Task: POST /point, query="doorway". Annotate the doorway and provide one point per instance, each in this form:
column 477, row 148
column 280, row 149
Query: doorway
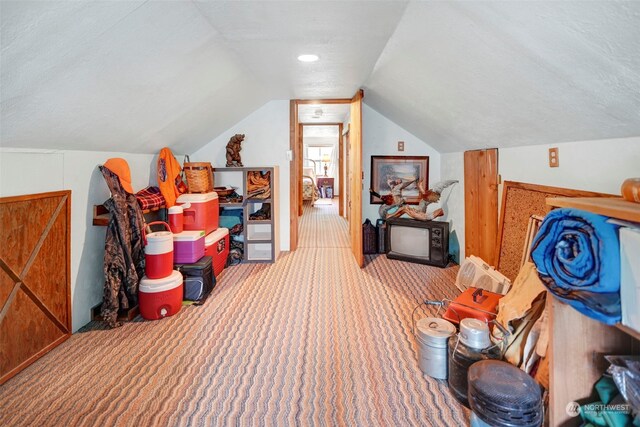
column 330, row 112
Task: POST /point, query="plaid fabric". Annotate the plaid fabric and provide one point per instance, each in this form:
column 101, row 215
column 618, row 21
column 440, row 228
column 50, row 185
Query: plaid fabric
column 150, row 198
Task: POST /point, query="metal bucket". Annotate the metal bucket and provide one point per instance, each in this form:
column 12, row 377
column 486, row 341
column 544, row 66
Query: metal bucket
column 432, row 335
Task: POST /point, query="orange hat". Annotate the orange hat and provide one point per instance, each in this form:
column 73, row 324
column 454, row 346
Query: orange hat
column 121, row 168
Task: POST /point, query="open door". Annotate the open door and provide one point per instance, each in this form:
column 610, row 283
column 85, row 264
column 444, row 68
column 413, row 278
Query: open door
column 355, row 178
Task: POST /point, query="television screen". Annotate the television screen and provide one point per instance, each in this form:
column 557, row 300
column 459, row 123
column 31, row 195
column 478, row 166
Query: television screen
column 424, row 242
column 410, row 241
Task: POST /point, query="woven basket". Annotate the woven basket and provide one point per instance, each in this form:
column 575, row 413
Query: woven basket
column 199, row 177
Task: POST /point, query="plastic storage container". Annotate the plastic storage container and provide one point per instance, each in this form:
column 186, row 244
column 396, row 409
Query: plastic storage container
column 199, row 280
column 158, row 253
column 202, row 211
column 473, row 303
column 160, row 298
column 216, row 245
column 176, row 219
column 188, row 246
column 432, row 335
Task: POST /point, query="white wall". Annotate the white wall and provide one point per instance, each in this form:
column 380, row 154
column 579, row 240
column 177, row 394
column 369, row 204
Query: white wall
column 380, row 137
column 36, row 171
column 266, row 143
column 600, row 165
column 452, row 167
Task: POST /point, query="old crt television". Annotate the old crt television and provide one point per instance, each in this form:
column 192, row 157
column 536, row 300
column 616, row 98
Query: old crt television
column 424, row 242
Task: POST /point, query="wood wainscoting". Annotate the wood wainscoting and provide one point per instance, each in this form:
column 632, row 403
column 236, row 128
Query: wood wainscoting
column 35, row 291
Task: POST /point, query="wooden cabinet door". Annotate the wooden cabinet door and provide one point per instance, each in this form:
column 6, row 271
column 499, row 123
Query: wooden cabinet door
column 35, row 294
column 481, row 203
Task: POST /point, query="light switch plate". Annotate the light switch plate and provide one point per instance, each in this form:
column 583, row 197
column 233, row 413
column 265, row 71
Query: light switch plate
column 554, row 160
column 400, row 145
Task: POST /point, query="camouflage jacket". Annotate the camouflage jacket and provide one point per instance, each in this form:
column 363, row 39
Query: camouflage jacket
column 124, row 251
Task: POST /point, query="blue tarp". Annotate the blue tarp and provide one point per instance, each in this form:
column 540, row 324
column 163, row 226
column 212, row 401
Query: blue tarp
column 577, row 255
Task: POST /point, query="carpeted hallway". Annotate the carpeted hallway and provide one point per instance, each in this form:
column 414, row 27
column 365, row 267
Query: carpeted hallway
column 309, row 340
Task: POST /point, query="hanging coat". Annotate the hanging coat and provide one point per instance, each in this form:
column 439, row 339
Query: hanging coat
column 124, row 251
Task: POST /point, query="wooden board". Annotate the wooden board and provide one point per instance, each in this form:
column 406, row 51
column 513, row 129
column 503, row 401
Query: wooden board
column 578, row 347
column 295, row 180
column 481, row 203
column 35, row 291
column 615, row 207
column 519, row 202
column 355, row 177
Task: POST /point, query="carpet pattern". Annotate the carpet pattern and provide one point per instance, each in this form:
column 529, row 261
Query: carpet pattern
column 309, row 340
column 322, row 227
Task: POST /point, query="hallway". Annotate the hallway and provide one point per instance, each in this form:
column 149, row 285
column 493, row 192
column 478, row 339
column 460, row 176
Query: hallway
column 309, row 340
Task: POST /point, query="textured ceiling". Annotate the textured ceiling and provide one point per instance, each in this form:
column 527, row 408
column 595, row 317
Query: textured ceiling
column 323, row 113
column 135, row 76
column 464, row 75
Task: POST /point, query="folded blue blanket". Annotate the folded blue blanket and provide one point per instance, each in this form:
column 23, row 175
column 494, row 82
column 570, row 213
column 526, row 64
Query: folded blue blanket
column 577, row 255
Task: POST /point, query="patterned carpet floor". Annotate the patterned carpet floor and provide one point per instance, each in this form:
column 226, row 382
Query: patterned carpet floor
column 309, row 340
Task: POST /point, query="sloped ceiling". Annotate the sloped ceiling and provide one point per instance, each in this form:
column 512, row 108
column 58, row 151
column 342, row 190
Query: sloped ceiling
column 135, row 76
column 465, row 75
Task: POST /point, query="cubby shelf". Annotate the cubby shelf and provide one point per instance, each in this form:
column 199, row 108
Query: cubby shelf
column 578, row 344
column 260, row 236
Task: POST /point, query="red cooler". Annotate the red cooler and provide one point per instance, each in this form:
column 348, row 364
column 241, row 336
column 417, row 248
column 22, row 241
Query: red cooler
column 216, row 245
column 188, row 246
column 160, row 298
column 202, row 214
column 158, row 253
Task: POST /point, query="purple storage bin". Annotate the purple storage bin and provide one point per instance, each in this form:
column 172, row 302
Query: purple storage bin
column 188, row 246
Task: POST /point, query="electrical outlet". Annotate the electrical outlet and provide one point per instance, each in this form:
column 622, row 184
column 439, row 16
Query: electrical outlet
column 400, row 145
column 554, row 160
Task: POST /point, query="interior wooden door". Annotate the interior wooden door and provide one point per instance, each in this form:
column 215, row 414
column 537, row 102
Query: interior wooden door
column 295, row 179
column 340, row 171
column 35, row 294
column 481, row 203
column 347, row 185
column 355, row 178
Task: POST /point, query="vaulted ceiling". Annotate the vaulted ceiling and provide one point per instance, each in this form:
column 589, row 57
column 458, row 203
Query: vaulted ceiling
column 135, row 76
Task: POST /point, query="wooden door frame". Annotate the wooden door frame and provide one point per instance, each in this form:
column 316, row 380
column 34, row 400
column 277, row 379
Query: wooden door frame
column 295, row 165
column 340, row 161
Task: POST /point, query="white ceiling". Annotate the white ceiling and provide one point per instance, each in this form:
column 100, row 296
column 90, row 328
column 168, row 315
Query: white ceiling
column 135, row 76
column 323, row 113
column 320, row 132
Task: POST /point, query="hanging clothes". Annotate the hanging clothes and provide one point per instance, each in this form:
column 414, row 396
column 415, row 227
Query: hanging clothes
column 169, row 170
column 124, row 250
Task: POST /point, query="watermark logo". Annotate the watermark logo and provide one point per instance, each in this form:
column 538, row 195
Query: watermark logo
column 573, row 409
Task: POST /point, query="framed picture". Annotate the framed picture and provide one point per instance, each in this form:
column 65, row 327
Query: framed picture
column 387, row 171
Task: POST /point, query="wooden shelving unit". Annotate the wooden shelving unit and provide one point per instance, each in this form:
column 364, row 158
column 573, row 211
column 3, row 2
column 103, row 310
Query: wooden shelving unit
column 578, row 343
column 260, row 236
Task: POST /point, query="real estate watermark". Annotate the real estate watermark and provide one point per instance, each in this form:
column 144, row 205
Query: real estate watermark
column 573, row 408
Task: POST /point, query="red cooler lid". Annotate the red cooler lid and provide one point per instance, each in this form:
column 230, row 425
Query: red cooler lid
column 216, row 235
column 172, row 281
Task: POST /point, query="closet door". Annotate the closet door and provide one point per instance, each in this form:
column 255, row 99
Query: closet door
column 35, row 294
column 481, row 203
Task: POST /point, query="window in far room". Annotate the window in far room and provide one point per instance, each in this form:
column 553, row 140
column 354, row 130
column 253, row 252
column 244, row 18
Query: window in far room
column 322, row 157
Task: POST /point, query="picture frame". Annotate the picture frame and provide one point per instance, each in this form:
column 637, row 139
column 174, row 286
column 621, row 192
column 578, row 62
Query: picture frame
column 407, row 168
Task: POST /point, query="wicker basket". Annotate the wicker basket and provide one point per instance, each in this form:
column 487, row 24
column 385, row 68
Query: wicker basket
column 199, row 177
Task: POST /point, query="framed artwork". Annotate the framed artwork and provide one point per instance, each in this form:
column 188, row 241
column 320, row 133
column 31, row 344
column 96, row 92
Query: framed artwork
column 387, row 171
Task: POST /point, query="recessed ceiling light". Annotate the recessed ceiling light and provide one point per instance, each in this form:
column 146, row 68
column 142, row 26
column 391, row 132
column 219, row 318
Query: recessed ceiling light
column 308, row 58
